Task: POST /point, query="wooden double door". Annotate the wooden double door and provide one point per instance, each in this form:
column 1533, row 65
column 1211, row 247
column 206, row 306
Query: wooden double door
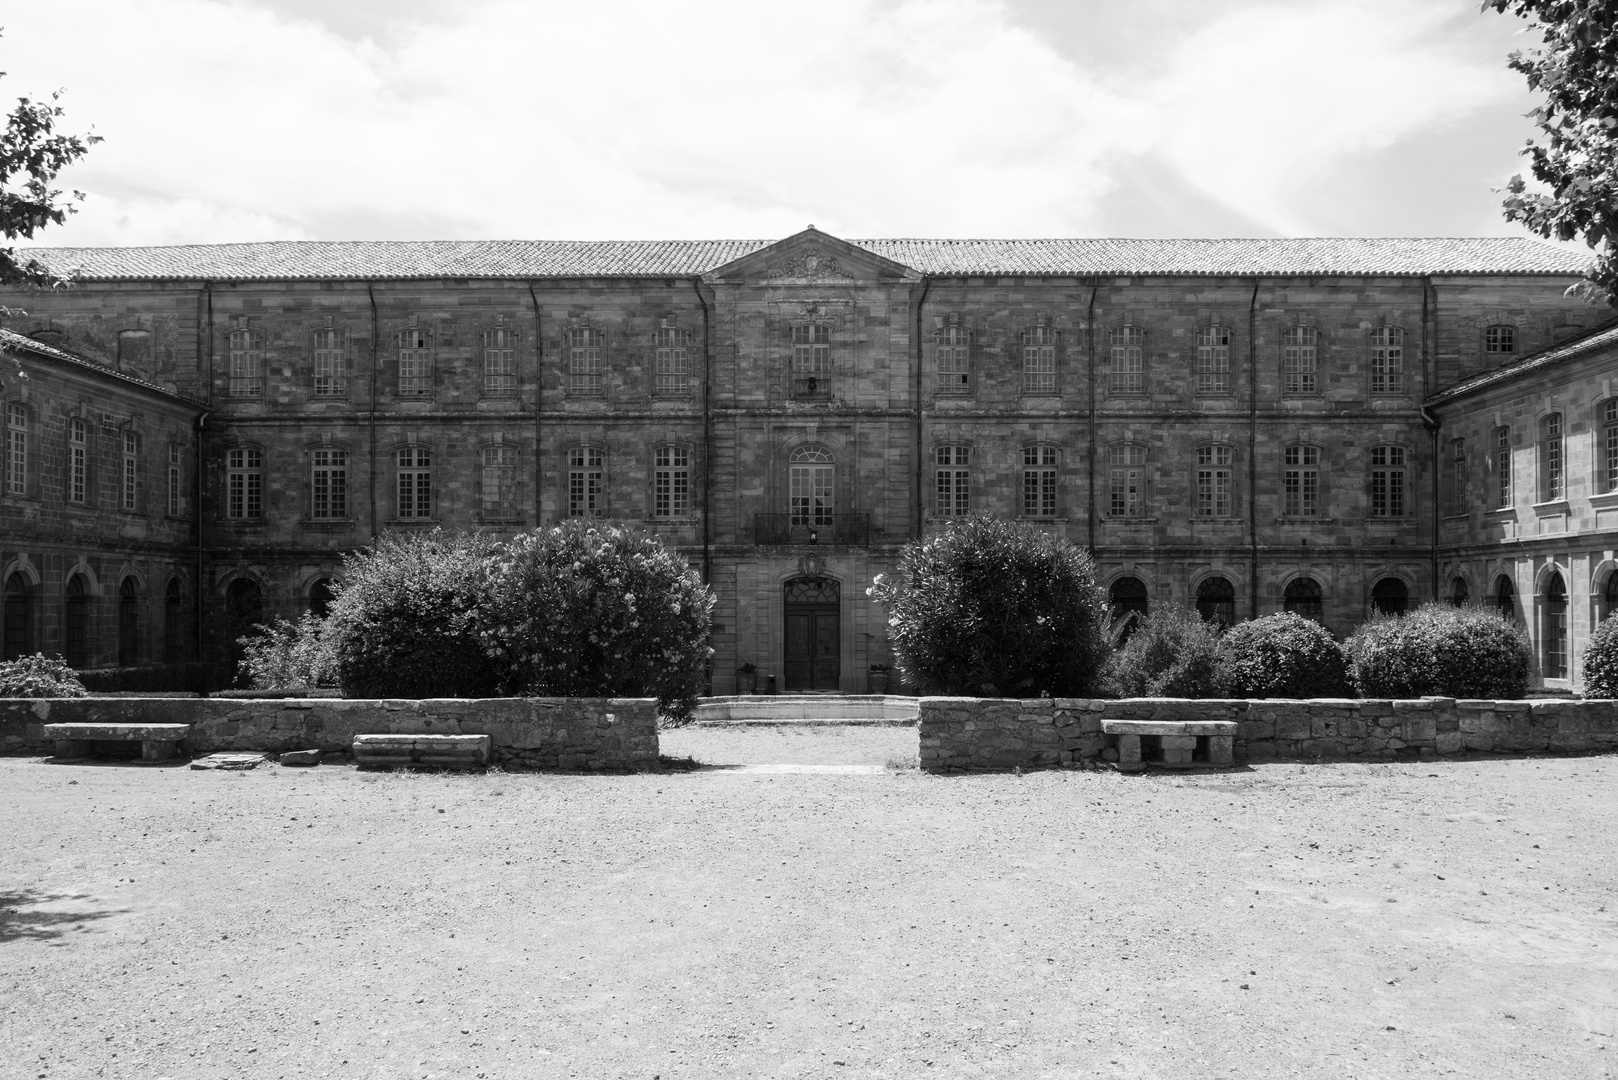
column 813, row 653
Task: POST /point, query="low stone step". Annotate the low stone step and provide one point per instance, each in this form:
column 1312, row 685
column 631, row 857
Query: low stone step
column 429, row 751
column 890, row 709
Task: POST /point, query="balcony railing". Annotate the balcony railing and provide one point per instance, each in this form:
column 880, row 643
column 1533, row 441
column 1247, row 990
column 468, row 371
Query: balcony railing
column 833, row 529
column 811, row 387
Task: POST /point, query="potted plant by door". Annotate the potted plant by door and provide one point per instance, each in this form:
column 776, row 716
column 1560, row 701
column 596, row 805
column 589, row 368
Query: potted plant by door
column 747, row 678
column 879, row 678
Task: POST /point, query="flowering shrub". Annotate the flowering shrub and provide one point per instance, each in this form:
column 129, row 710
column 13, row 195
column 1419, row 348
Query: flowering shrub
column 39, row 676
column 1441, row 650
column 998, row 608
column 589, row 609
column 289, row 656
column 1281, row 656
column 1601, row 661
column 411, row 617
column 1173, row 652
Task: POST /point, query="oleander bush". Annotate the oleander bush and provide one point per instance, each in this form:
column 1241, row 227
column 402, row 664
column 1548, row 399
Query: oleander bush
column 411, row 617
column 1440, row 650
column 990, row 607
column 286, row 655
column 1601, row 660
column 590, row 609
column 1174, row 652
column 39, row 676
column 1281, row 656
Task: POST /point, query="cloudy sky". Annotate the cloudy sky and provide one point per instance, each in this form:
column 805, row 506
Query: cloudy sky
column 237, row 120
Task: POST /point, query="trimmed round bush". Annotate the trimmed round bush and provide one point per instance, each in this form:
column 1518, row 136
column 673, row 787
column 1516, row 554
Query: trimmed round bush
column 1601, row 661
column 410, row 619
column 990, row 607
column 1281, row 656
column 1174, row 652
column 39, row 676
column 1440, row 650
column 589, row 609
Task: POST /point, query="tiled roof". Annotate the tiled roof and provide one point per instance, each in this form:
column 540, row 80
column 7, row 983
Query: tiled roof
column 1602, row 337
column 13, row 342
column 376, row 259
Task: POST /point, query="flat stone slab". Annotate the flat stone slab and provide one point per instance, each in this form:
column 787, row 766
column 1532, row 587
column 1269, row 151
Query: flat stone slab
column 445, row 751
column 229, row 762
column 118, row 732
column 775, row 770
column 300, row 757
column 1216, row 728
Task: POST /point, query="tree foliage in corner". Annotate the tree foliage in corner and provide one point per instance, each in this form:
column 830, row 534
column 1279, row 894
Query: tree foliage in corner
column 31, row 155
column 1577, row 70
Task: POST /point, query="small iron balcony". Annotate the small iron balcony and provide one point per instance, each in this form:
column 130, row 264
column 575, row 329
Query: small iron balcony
column 835, row 529
column 811, row 387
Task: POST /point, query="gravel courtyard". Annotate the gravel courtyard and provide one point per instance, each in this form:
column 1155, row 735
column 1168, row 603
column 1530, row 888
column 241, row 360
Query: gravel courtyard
column 1455, row 918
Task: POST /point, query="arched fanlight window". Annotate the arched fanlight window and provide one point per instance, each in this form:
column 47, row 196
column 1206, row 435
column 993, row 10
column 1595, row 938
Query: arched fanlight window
column 1303, row 597
column 1216, row 601
column 1390, row 596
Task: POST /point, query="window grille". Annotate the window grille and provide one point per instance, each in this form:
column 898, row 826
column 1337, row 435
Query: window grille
column 1127, row 481
column 1300, row 482
column 331, row 363
column 500, row 362
column 585, row 346
column 1213, row 361
column 1039, row 481
column 244, row 483
column 415, row 483
column 130, row 499
column 954, row 360
column 415, row 363
column 586, row 482
column 1039, row 360
column 1502, row 467
column 1214, row 481
column 328, row 484
column 671, row 477
column 1387, row 361
column 1500, row 340
column 246, row 348
column 1551, row 458
column 953, row 480
column 497, row 486
column 1388, row 481
column 1300, row 360
column 78, row 460
column 1128, row 371
column 672, row 374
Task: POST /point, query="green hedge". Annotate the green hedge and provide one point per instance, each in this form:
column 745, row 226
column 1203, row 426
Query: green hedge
column 39, row 676
column 191, row 678
column 1441, row 650
column 1601, row 660
column 1281, row 656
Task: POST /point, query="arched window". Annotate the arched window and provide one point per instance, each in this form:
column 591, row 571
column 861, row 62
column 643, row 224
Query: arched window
column 500, row 362
column 1039, row 481
column 1390, row 597
column 672, row 360
column 1551, row 478
column 76, row 623
column 415, row 349
column 1126, row 481
column 1039, row 359
column 244, row 611
column 331, row 362
column 415, row 483
column 128, row 623
column 1216, row 601
column 1387, row 349
column 1300, row 481
column 321, row 597
column 1303, row 597
column 173, row 624
column 1458, row 592
column 78, row 460
column 1555, row 628
column 1505, row 598
column 246, row 348
column 1299, row 360
column 17, row 448
column 1128, row 594
column 19, row 618
column 953, row 480
column 1127, row 348
column 1609, row 595
column 1213, row 360
column 811, row 486
column 586, row 482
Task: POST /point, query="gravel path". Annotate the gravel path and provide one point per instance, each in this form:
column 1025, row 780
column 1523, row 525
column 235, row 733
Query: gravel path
column 1285, row 921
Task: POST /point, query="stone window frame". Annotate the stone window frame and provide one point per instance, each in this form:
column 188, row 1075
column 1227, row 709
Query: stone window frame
column 1311, row 459
column 247, row 361
column 131, row 477
column 662, row 501
column 954, row 337
column 501, row 379
column 673, row 343
column 1040, row 472
column 1126, row 448
column 1502, row 458
column 952, row 461
column 417, row 460
column 175, row 489
column 1606, row 450
column 1039, row 348
column 812, row 362
column 1212, row 459
column 422, row 382
column 1551, row 456
column 1304, row 594
column 79, row 462
column 125, row 358
column 1390, row 460
column 585, row 358
column 1500, row 340
column 1459, row 471
column 1127, row 342
column 1302, row 366
column 515, row 504
column 21, row 448
column 246, row 462
column 581, row 499
column 313, row 468
column 1212, row 366
column 340, row 374
column 1387, row 373
column 805, row 459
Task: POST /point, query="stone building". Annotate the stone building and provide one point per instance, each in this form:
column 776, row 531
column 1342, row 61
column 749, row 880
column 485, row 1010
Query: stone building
column 1235, row 424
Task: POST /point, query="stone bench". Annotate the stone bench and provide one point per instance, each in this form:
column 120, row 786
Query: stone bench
column 427, row 751
column 158, row 742
column 1177, row 744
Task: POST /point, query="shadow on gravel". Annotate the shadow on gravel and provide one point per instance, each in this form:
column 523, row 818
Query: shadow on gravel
column 25, row 915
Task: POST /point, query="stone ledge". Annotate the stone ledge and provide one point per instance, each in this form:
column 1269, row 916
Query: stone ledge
column 1169, row 727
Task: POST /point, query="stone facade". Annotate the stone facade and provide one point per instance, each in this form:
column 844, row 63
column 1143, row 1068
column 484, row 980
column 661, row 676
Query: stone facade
column 797, row 410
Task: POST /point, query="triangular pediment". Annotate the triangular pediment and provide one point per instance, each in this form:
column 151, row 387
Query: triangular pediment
column 811, row 257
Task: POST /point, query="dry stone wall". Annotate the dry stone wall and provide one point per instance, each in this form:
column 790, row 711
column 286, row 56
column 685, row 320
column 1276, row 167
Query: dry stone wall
column 990, row 734
column 570, row 734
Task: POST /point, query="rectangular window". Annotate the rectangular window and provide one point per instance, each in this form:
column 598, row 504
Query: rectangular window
column 1387, row 481
column 1039, row 481
column 244, row 483
column 331, row 364
column 586, row 482
column 585, row 346
column 499, row 362
column 1387, row 361
column 415, row 483
column 176, row 490
column 1213, row 481
column 672, row 375
column 246, row 363
column 78, row 460
column 1128, row 371
column 953, row 480
column 1039, row 360
column 1500, row 340
column 130, row 496
column 497, row 482
column 1213, row 361
column 1458, row 477
column 1551, row 458
column 415, row 363
column 954, row 361
column 1127, row 481
column 1502, row 467
column 811, row 349
column 1300, row 482
column 1300, row 361
column 671, row 468
column 812, row 497
column 1609, row 444
column 329, row 484
column 16, row 449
